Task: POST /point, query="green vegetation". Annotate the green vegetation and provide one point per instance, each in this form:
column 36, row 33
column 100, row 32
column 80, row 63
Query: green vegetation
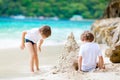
column 63, row 9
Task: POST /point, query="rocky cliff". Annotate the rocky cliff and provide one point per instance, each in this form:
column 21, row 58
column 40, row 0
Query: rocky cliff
column 107, row 31
column 113, row 9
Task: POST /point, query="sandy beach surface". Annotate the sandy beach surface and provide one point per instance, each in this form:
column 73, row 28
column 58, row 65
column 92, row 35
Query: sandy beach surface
column 14, row 65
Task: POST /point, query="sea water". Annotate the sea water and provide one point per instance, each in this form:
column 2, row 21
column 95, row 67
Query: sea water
column 11, row 29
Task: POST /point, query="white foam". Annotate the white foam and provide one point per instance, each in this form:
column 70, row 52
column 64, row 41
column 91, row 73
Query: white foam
column 9, row 43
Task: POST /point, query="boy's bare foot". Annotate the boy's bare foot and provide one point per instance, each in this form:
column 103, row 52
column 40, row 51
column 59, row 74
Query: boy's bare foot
column 103, row 67
column 38, row 69
column 32, row 70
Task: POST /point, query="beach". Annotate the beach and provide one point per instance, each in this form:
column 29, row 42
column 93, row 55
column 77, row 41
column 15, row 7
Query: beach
column 15, row 66
column 14, row 62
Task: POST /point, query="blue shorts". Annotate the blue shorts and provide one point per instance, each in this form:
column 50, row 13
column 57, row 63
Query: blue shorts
column 27, row 40
column 89, row 69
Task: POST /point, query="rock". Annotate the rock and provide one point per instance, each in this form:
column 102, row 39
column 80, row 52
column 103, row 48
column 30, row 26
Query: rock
column 113, row 9
column 107, row 31
column 108, row 52
column 115, row 57
column 113, row 54
column 68, row 58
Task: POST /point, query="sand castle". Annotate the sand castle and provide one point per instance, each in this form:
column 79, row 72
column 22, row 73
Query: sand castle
column 68, row 58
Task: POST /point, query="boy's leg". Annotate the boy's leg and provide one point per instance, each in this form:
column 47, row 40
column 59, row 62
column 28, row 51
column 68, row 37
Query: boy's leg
column 31, row 50
column 101, row 63
column 36, row 57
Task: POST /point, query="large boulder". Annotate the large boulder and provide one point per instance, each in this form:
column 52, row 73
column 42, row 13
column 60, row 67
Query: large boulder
column 107, row 31
column 115, row 56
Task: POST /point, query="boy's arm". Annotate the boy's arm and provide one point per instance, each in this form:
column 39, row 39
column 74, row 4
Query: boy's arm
column 79, row 63
column 40, row 43
column 22, row 40
column 101, row 63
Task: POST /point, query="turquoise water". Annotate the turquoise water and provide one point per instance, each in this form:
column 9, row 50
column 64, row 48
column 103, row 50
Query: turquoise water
column 12, row 28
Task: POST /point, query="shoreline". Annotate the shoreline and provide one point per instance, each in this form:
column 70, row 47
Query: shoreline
column 11, row 44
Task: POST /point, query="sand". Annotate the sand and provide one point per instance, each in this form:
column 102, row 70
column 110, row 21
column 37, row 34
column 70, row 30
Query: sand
column 15, row 62
column 14, row 65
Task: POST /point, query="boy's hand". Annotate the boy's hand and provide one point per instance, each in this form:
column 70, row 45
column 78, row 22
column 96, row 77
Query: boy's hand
column 39, row 48
column 39, row 45
column 22, row 46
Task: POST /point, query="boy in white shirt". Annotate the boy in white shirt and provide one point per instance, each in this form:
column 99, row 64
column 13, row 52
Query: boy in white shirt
column 31, row 38
column 89, row 51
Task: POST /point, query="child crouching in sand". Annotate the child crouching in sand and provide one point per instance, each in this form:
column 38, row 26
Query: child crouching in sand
column 31, row 38
column 89, row 51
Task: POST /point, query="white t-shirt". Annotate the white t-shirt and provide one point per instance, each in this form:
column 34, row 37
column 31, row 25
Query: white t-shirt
column 89, row 52
column 33, row 35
